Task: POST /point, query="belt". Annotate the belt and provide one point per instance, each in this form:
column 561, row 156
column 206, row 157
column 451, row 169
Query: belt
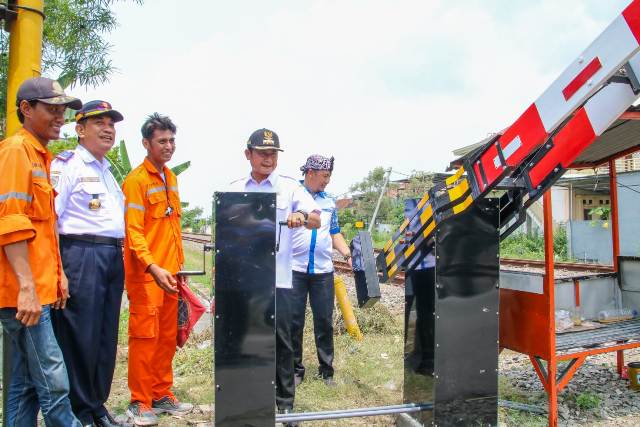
column 101, row 240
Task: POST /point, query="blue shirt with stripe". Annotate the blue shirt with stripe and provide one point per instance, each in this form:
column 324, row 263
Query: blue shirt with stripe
column 312, row 249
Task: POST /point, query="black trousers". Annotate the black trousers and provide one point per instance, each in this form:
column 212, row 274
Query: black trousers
column 320, row 290
column 87, row 329
column 285, row 385
column 423, row 283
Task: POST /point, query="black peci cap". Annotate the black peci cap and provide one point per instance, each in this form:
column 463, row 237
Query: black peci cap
column 264, row 139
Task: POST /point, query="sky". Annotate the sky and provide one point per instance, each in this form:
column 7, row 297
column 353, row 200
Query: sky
column 397, row 84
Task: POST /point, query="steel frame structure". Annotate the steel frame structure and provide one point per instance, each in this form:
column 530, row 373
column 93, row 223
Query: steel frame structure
column 528, row 319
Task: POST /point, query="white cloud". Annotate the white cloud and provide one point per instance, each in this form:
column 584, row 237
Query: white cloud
column 398, row 84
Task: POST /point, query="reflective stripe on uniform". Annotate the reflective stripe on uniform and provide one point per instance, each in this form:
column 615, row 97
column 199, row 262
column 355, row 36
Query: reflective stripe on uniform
column 38, row 173
column 16, row 195
column 155, row 190
column 136, row 206
column 174, row 188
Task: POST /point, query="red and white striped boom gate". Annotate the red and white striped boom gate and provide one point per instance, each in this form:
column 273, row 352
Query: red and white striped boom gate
column 530, row 155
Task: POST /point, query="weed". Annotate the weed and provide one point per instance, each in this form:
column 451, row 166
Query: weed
column 507, row 391
column 587, row 400
column 511, row 417
column 375, row 320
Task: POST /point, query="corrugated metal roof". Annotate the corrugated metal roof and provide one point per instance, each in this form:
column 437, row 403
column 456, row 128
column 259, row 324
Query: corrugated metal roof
column 623, row 135
column 588, row 184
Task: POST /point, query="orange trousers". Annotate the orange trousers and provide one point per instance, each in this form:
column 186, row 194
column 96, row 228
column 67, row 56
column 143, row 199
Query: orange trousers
column 153, row 327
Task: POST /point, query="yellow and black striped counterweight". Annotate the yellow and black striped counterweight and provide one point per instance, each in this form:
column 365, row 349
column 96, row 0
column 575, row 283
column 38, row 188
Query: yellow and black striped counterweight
column 449, row 198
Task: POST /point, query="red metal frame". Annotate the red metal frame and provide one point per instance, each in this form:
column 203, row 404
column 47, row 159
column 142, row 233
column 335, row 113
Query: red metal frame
column 549, row 289
column 527, row 320
column 630, row 115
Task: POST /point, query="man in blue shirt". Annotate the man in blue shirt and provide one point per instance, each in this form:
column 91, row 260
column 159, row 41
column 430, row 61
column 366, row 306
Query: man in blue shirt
column 313, row 270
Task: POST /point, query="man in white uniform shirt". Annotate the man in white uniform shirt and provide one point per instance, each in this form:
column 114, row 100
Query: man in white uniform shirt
column 313, row 270
column 90, row 209
column 295, row 205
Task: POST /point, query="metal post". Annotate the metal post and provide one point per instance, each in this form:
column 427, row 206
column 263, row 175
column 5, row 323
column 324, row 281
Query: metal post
column 615, row 240
column 356, row 412
column 615, row 226
column 550, row 293
column 25, row 50
column 350, row 321
column 375, row 211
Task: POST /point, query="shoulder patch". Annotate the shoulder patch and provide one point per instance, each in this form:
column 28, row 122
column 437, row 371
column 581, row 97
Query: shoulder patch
column 65, row 155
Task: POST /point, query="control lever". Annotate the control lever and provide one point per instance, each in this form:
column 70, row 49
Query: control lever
column 280, row 224
column 206, row 248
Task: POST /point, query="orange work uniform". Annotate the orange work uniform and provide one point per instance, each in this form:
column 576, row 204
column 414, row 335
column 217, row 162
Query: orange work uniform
column 27, row 213
column 153, row 236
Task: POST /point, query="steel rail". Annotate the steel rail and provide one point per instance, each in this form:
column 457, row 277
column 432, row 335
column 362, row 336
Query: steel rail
column 386, row 410
column 356, row 412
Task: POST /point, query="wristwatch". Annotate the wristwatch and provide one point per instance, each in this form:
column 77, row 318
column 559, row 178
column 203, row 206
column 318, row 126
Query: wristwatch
column 304, row 214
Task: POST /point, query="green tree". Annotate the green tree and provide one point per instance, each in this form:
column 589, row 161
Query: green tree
column 192, row 219
column 368, row 191
column 520, row 245
column 419, row 184
column 74, row 45
column 63, row 144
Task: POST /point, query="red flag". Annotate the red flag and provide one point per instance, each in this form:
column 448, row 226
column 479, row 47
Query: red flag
column 189, row 311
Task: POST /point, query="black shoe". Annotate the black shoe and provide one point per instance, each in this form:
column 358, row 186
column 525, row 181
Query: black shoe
column 298, row 380
column 106, row 421
column 287, row 424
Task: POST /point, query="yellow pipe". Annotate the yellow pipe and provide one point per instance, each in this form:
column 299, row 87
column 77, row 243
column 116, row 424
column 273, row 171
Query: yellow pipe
column 350, row 321
column 25, row 52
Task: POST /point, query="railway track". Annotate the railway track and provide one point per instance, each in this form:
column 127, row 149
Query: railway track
column 569, row 266
column 197, row 237
column 343, row 267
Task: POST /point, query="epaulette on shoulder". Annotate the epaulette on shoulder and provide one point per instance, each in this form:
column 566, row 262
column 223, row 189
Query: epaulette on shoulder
column 65, row 155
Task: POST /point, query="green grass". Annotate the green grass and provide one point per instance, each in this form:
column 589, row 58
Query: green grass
column 193, row 261
column 367, row 373
column 511, row 417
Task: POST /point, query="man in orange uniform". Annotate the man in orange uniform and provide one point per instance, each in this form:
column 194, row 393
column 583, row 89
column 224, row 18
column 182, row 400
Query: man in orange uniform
column 153, row 255
column 31, row 277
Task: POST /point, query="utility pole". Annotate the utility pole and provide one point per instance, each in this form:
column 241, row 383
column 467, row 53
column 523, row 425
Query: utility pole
column 25, row 51
column 375, row 211
column 24, row 21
